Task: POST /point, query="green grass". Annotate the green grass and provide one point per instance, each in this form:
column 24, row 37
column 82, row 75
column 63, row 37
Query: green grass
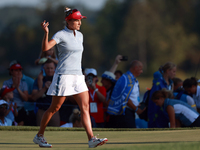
column 17, row 138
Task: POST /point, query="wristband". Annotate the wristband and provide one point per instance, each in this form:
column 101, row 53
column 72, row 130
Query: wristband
column 96, row 90
column 136, row 109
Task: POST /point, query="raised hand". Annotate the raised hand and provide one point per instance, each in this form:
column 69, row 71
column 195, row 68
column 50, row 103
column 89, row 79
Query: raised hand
column 15, row 106
column 44, row 26
column 118, row 59
column 16, row 81
column 11, row 105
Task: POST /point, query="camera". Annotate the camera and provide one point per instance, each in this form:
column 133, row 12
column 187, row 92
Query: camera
column 90, row 79
column 124, row 58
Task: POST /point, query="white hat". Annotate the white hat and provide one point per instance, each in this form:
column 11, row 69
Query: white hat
column 90, row 70
column 109, row 75
column 3, row 102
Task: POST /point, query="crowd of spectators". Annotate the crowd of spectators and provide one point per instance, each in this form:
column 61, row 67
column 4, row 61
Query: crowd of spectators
column 115, row 103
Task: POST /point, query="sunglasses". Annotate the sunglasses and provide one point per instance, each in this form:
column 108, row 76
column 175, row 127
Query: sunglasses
column 3, row 106
column 71, row 12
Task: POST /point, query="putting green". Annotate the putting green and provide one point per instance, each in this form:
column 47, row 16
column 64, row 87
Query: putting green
column 120, row 140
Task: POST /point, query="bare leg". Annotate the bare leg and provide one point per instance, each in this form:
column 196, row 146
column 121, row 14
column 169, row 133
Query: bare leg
column 83, row 101
column 56, row 103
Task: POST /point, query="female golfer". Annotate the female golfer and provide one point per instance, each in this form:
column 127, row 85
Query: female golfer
column 180, row 113
column 68, row 78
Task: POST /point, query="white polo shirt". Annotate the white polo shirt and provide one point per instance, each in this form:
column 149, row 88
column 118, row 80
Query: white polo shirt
column 69, row 51
column 135, row 94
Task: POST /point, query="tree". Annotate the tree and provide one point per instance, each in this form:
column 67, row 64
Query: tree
column 155, row 36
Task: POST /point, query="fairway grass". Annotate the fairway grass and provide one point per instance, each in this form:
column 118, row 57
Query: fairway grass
column 117, row 140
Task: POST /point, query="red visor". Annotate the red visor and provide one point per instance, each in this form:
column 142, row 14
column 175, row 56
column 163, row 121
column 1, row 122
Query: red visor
column 15, row 67
column 74, row 14
column 5, row 90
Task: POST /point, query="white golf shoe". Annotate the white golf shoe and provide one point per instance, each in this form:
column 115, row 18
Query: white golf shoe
column 94, row 142
column 41, row 141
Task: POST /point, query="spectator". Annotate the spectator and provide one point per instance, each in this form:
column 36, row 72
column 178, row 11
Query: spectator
column 124, row 101
column 44, row 100
column 192, row 87
column 118, row 74
column 97, row 97
column 29, row 106
column 20, row 92
column 178, row 83
column 50, row 54
column 7, row 95
column 157, row 118
column 180, row 114
column 3, row 120
column 44, row 56
column 180, row 94
column 74, row 119
column 108, row 81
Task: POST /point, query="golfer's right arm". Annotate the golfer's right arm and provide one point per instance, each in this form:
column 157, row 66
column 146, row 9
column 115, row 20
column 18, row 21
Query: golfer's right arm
column 46, row 44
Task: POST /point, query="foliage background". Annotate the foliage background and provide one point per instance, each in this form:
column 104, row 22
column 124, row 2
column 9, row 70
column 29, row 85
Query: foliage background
column 153, row 31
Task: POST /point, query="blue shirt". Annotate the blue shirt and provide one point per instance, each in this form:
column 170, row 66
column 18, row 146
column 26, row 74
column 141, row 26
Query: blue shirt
column 121, row 94
column 183, row 112
column 182, row 98
column 30, row 106
column 157, row 117
column 17, row 98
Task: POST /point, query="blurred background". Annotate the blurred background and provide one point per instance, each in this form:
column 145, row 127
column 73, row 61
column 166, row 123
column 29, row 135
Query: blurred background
column 152, row 31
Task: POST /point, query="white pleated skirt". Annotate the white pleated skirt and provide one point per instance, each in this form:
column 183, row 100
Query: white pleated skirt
column 67, row 85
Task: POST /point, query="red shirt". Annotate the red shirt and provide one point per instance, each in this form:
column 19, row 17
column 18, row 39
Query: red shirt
column 96, row 107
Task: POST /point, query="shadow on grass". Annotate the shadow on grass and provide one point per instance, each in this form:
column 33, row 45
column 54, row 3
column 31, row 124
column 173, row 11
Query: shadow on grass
column 111, row 143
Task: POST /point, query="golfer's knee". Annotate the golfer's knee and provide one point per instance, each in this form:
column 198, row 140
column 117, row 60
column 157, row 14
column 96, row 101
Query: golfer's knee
column 85, row 107
column 54, row 109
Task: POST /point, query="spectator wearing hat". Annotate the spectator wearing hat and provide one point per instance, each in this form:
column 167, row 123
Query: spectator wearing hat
column 97, row 97
column 7, row 95
column 4, row 121
column 108, row 81
column 21, row 90
column 29, row 105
